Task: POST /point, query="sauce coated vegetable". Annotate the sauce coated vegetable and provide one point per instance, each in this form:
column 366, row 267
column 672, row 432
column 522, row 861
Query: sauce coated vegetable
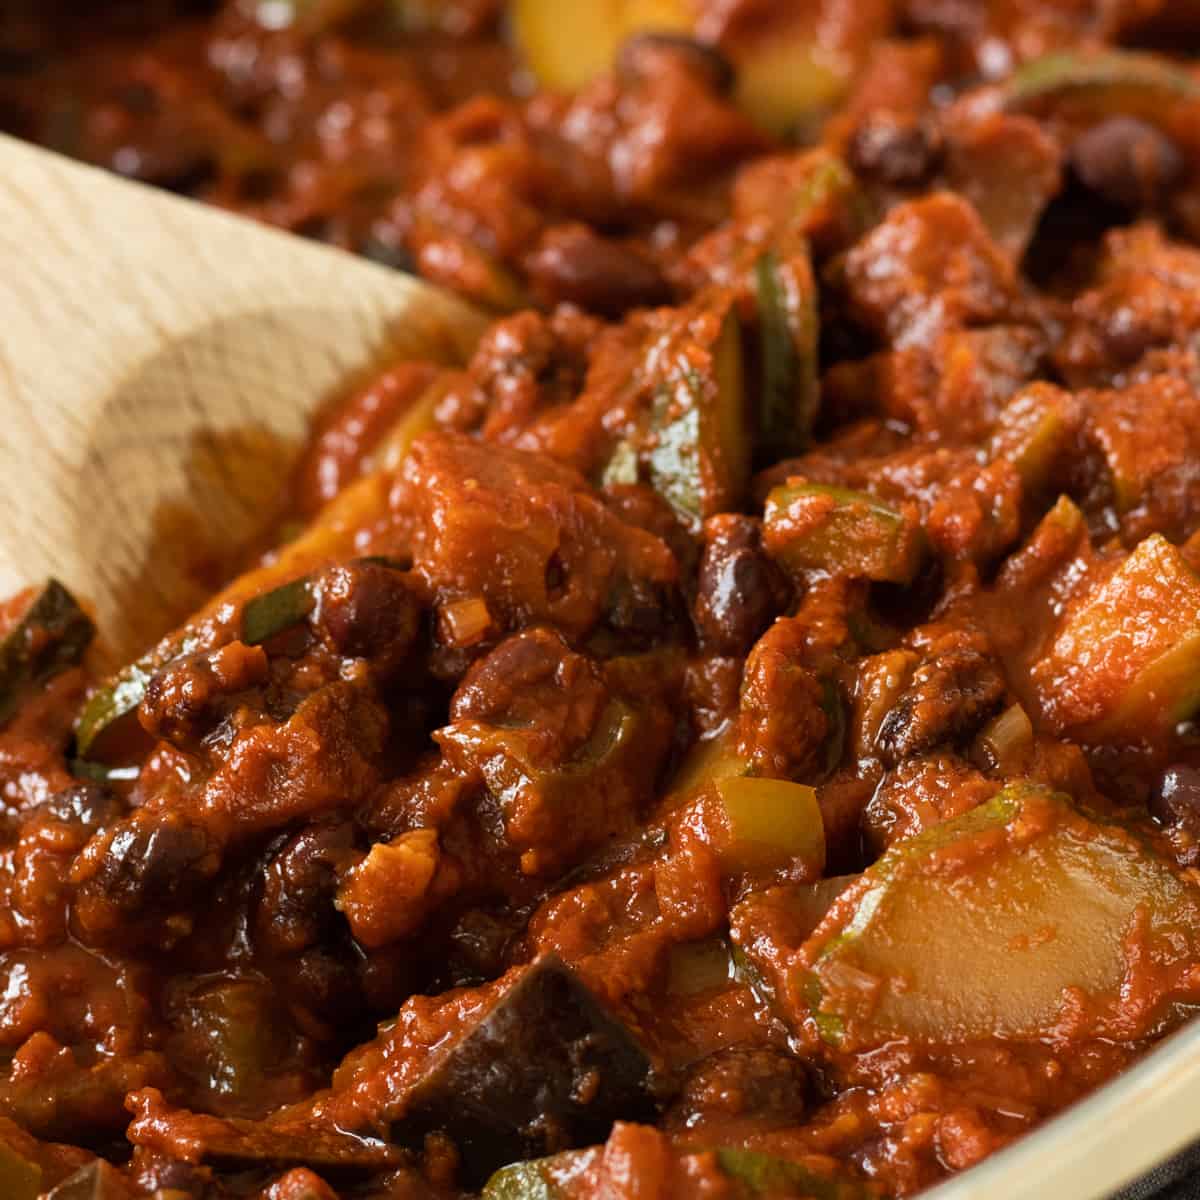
column 734, row 737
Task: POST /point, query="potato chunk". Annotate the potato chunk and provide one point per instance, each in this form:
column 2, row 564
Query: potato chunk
column 1032, row 922
column 771, row 823
column 568, row 45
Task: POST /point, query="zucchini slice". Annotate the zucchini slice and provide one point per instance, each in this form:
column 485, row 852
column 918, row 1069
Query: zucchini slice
column 1023, row 909
column 789, row 387
column 816, row 526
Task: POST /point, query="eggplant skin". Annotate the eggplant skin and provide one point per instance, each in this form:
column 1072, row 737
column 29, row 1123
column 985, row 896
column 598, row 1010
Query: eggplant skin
column 547, row 1068
column 51, row 636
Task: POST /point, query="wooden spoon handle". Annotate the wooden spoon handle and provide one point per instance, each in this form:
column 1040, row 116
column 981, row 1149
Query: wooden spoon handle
column 159, row 364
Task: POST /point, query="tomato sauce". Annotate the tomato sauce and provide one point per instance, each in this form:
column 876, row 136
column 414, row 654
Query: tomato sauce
column 733, row 737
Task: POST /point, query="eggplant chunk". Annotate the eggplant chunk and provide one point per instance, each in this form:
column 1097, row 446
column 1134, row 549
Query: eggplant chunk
column 249, row 1143
column 1033, row 920
column 239, row 1143
column 545, row 1069
column 51, row 635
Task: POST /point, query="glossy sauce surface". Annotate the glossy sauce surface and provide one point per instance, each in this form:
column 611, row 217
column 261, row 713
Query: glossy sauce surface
column 735, row 736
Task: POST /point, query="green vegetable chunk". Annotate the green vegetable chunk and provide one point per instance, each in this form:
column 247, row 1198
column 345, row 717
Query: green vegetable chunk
column 766, row 1175
column 229, row 1035
column 540, row 1178
column 772, row 823
column 1033, row 433
column 768, row 926
column 20, row 1179
column 709, row 761
column 753, row 1174
column 696, row 967
column 520, row 781
column 52, row 635
column 100, row 773
column 1108, row 82
column 1005, row 741
column 1124, row 662
column 1026, row 913
column 262, row 618
column 276, row 610
column 698, row 450
column 789, row 388
column 783, row 79
column 814, row 526
column 123, row 693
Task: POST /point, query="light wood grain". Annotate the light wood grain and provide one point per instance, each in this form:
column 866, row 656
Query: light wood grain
column 159, row 366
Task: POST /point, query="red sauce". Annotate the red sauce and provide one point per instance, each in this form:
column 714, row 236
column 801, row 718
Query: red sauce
column 835, row 433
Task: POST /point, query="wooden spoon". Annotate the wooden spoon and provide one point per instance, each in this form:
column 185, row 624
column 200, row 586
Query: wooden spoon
column 159, row 365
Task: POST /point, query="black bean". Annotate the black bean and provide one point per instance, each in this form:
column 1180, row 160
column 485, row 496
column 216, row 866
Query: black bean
column 88, row 804
column 897, row 150
column 1175, row 797
column 154, row 860
column 1128, row 335
column 178, row 698
column 299, row 884
column 743, row 1081
column 366, row 610
column 183, row 699
column 641, row 56
column 573, row 265
column 1126, row 161
column 740, row 589
column 639, row 610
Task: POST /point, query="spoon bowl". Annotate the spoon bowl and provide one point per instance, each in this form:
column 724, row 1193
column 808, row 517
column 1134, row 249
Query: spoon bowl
column 160, row 363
